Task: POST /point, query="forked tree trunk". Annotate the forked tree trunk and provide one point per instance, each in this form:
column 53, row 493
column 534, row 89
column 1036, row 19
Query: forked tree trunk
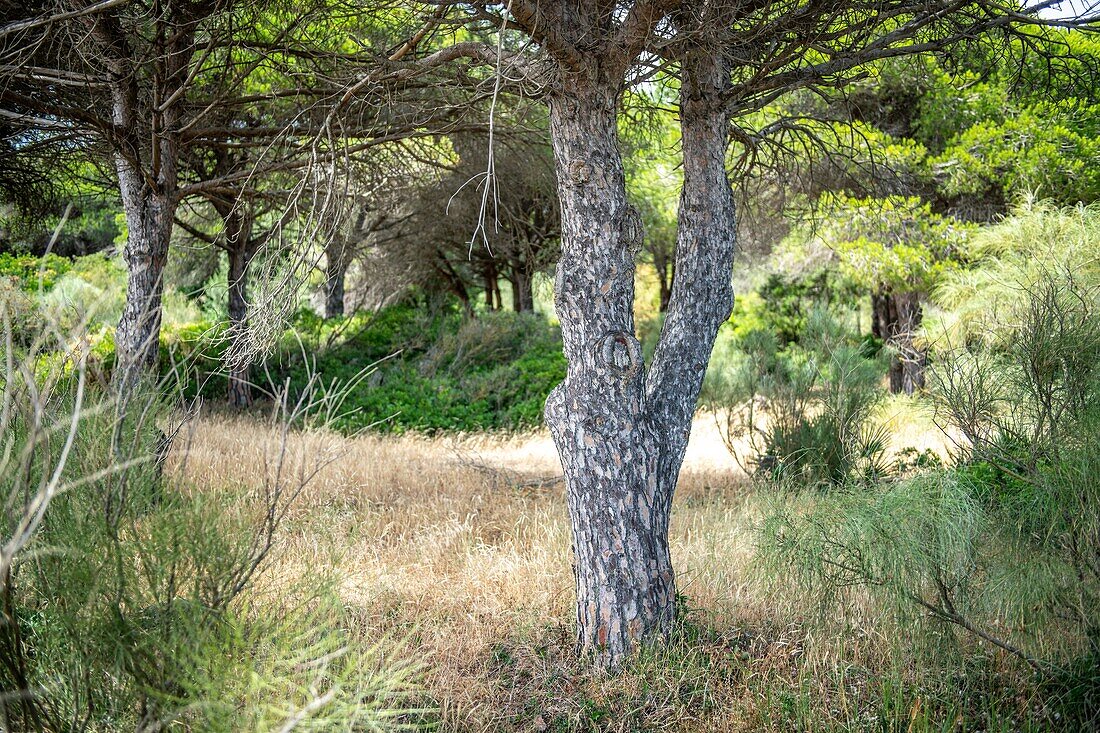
column 621, row 437
column 149, row 217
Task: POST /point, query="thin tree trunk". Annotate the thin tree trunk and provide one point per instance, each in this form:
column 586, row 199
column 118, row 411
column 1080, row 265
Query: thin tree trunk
column 489, row 283
column 706, row 244
column 238, row 233
column 149, row 215
column 665, row 289
column 336, row 272
column 884, row 326
column 912, row 360
column 523, row 298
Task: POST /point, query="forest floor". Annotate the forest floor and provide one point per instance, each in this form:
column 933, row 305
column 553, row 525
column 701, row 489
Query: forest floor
column 459, row 547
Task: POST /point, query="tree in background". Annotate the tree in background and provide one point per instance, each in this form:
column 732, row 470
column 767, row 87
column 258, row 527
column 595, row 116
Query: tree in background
column 897, row 250
column 243, row 106
column 376, row 215
column 924, row 145
column 474, row 228
column 126, row 93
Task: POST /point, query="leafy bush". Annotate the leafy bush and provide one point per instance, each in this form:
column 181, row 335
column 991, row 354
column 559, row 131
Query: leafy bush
column 802, row 414
column 129, row 600
column 1004, row 545
column 33, row 273
column 434, row 372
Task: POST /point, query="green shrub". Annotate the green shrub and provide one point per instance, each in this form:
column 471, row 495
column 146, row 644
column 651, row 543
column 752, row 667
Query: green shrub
column 433, row 372
column 1002, row 546
column 33, row 274
column 129, row 600
column 800, row 414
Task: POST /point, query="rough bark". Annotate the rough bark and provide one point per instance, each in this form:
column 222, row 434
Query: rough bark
column 622, row 567
column 147, row 169
column 149, row 215
column 706, row 243
column 622, row 435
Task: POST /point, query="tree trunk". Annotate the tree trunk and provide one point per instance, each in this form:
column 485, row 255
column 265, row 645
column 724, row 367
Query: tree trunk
column 489, row 282
column 895, row 319
column 912, row 359
column 149, row 216
column 665, row 285
column 622, row 436
column 884, row 316
column 238, row 235
column 622, row 568
column 336, row 271
column 148, row 193
column 701, row 297
column 523, row 298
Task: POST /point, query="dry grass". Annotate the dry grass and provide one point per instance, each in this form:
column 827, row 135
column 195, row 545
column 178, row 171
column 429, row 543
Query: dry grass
column 460, row 546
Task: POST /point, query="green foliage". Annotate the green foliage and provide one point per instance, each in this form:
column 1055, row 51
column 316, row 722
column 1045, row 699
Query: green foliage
column 131, row 604
column 1038, row 240
column 86, row 227
column 895, row 244
column 801, row 414
column 33, row 274
column 1047, row 149
column 782, row 304
column 441, row 372
column 1003, row 545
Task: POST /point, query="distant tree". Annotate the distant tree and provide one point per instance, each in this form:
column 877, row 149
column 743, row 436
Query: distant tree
column 653, row 177
column 439, row 222
column 380, row 186
column 474, row 229
column 206, row 100
column 896, row 250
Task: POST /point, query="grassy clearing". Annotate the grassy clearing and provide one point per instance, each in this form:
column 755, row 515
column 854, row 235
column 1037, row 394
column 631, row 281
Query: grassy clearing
column 460, row 547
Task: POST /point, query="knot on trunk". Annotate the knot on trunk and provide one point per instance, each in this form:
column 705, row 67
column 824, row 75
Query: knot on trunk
column 632, row 230
column 580, row 172
column 620, row 353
